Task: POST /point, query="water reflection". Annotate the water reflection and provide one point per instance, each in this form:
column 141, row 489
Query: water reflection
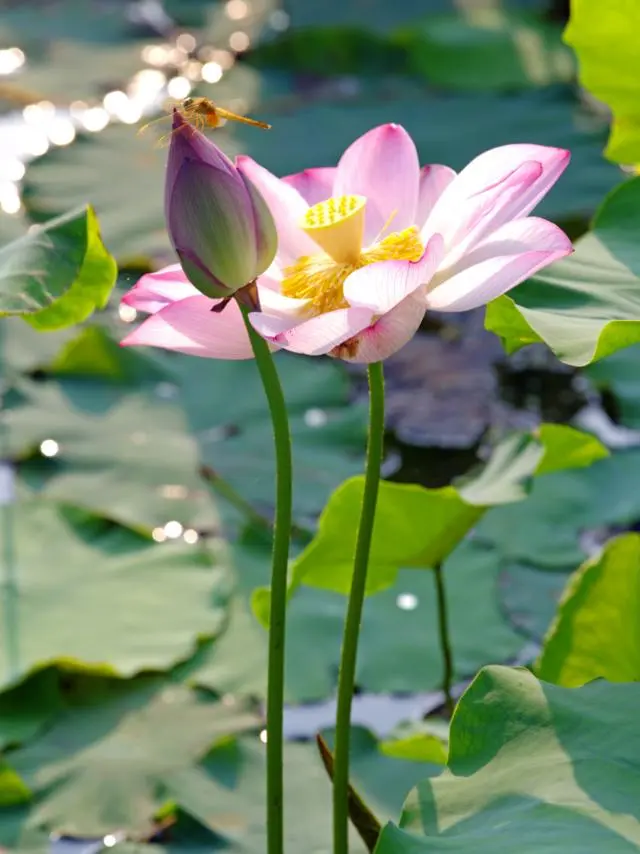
column 173, row 529
column 11, row 59
column 178, row 88
column 49, row 448
column 407, row 601
column 236, row 9
column 239, row 41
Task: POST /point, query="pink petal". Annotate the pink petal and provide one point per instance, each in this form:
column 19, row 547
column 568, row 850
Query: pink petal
column 316, row 336
column 512, row 254
column 287, row 207
column 390, row 333
column 381, row 286
column 488, row 173
column 314, row 185
column 154, row 291
column 485, row 212
column 189, row 326
column 383, row 166
column 434, row 180
column 273, row 303
column 530, row 233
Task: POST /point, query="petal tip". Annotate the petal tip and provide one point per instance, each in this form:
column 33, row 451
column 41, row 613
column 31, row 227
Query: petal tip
column 393, row 129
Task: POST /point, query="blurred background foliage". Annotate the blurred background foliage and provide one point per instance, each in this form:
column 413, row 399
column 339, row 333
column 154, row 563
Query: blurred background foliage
column 142, row 481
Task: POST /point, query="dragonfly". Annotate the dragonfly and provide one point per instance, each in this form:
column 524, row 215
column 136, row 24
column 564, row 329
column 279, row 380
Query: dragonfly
column 202, row 113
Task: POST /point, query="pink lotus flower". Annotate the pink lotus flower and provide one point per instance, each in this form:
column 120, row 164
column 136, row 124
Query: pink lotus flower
column 365, row 248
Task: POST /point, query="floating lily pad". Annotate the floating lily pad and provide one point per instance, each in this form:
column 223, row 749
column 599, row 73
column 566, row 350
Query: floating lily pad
column 26, row 709
column 85, row 775
column 532, row 767
column 53, row 73
column 530, row 596
column 122, row 453
column 620, row 374
column 67, row 19
column 227, row 412
column 232, row 804
column 488, row 49
column 399, row 648
column 547, row 529
column 93, row 596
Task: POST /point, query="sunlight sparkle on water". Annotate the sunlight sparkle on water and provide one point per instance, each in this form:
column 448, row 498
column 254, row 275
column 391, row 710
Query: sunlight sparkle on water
column 237, row 9
column 239, row 41
column 127, row 313
column 49, row 448
column 115, row 101
column 263, row 736
column 129, row 114
column 173, row 529
column 61, row 132
column 193, row 70
column 211, row 72
column 10, row 197
column 159, row 535
column 40, row 113
column 12, row 170
column 174, row 491
column 315, row 417
column 407, row 601
column 11, row 60
column 186, row 42
column 178, row 88
column 37, row 144
column 224, row 58
column 146, row 85
column 191, row 536
column 155, row 54
column 95, row 119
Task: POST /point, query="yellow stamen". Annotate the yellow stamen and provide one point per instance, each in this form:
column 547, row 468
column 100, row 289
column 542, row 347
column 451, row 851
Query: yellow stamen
column 337, row 226
column 319, row 279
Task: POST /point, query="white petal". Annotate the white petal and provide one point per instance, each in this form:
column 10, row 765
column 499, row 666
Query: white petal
column 434, row 180
column 515, row 252
column 316, row 336
column 500, row 184
column 381, row 286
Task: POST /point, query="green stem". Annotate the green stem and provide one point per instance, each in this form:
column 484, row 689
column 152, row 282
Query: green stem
column 346, row 679
column 445, row 639
column 280, row 558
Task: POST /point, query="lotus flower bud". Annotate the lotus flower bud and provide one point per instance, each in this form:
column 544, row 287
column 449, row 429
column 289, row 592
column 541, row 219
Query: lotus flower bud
column 219, row 224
